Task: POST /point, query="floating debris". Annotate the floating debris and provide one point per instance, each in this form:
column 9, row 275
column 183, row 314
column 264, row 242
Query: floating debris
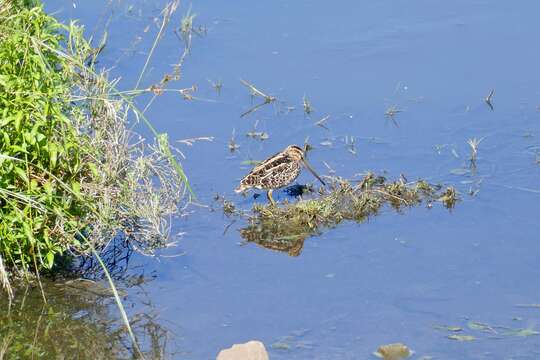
column 474, row 143
column 259, row 135
column 331, row 170
column 326, row 143
column 449, row 197
column 187, row 93
column 350, row 144
column 460, row 171
column 280, row 345
column 488, row 98
column 474, row 325
column 233, row 146
column 521, row 332
column 529, row 305
column 228, row 207
column 293, row 340
column 217, row 85
column 492, row 331
column 461, row 337
column 391, row 112
column 321, row 122
column 449, row 328
column 256, row 93
column 307, row 105
column 192, row 141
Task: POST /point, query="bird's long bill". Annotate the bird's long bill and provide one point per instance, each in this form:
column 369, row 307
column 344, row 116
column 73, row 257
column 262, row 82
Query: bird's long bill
column 312, row 171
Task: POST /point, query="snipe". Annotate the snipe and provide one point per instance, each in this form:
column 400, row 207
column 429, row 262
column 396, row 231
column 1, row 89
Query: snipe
column 277, row 171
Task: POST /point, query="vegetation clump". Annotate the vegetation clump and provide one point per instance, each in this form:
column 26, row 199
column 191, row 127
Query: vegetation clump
column 73, row 174
column 286, row 227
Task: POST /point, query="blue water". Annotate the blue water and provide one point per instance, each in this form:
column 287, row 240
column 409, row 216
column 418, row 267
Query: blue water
column 396, row 277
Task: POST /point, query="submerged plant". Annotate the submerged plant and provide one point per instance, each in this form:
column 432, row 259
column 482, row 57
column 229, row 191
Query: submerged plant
column 232, row 145
column 216, row 85
column 474, row 143
column 392, row 111
column 308, row 109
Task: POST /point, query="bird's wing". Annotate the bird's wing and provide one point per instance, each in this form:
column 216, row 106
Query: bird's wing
column 271, row 162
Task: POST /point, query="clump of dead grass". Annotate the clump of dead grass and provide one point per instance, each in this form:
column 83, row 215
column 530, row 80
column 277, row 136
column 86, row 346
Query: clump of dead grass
column 139, row 184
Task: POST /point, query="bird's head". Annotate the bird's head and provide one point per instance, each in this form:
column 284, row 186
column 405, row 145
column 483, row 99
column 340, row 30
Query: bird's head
column 296, row 153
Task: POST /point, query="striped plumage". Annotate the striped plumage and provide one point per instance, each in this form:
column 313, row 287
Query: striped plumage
column 277, row 171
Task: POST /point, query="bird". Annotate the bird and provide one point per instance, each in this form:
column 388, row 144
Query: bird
column 277, row 171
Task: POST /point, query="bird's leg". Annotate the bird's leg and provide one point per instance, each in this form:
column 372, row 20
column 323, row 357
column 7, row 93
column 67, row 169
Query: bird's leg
column 269, row 196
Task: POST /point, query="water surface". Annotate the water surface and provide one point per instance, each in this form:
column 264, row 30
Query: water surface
column 397, row 277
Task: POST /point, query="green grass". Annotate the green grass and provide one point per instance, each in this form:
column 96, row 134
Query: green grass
column 43, row 158
column 72, row 172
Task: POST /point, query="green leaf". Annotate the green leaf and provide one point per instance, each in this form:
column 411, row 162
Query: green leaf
column 53, row 154
column 50, row 260
column 76, row 187
column 21, row 173
column 17, row 148
column 30, row 138
column 93, row 169
column 28, row 232
column 18, row 120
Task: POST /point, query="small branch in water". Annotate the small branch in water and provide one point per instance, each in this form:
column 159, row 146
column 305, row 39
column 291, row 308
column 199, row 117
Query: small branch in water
column 391, row 112
column 488, row 98
column 187, row 92
column 474, row 143
column 308, row 109
column 253, row 109
column 330, row 169
column 191, row 141
column 167, row 13
column 322, row 121
column 256, row 92
column 233, row 146
column 350, row 144
column 228, row 226
column 259, row 135
column 217, row 85
column 392, row 196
